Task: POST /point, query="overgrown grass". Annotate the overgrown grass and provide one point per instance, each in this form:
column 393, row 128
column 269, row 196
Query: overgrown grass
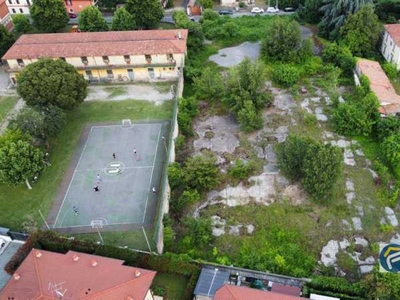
column 115, row 91
column 172, row 286
column 6, row 104
column 16, row 203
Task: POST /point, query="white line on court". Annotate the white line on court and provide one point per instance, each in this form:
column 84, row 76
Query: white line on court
column 133, row 125
column 140, row 167
column 151, row 177
column 72, row 179
column 89, row 225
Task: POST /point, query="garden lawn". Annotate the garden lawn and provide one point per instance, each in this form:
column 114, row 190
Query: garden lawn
column 174, row 286
column 6, row 104
column 16, row 203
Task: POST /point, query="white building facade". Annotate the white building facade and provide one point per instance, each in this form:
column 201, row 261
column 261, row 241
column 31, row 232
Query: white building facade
column 19, row 6
column 390, row 47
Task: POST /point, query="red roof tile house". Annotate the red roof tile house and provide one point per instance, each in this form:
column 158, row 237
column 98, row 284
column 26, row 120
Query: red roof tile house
column 233, row 292
column 380, row 85
column 147, row 55
column 5, row 16
column 46, row 275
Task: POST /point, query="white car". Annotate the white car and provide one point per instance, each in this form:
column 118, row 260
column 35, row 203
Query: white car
column 257, row 10
column 272, row 10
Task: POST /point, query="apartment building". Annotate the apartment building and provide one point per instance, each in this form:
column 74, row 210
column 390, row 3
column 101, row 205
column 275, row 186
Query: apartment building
column 5, row 16
column 150, row 55
column 19, row 6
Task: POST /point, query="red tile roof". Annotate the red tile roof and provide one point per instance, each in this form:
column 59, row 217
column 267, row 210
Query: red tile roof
column 380, row 85
column 109, row 43
column 89, row 277
column 233, row 292
column 394, row 31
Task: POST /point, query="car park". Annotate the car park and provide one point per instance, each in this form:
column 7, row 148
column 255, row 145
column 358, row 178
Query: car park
column 225, row 12
column 257, row 10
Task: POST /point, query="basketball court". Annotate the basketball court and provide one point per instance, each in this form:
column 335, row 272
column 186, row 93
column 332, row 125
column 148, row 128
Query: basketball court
column 125, row 183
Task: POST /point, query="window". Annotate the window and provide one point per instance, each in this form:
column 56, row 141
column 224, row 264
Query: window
column 13, row 10
column 127, row 58
column 62, row 58
column 170, row 57
column 106, row 59
column 151, row 72
column 110, row 74
column 84, row 60
column 171, row 69
column 148, row 58
column 29, row 2
column 9, row 1
column 89, row 74
column 17, row 1
column 21, row 11
column 20, row 62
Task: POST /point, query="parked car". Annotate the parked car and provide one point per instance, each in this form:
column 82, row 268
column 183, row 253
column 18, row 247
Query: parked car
column 257, row 10
column 272, row 10
column 225, row 12
column 289, row 9
column 71, row 15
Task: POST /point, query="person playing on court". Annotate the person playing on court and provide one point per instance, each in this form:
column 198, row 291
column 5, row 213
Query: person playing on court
column 75, row 209
column 96, row 188
column 98, row 178
column 134, row 151
column 154, row 190
column 114, row 156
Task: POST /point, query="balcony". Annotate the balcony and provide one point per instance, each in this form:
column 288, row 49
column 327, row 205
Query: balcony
column 128, row 63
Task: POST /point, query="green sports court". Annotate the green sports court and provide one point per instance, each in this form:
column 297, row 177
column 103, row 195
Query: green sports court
column 125, row 183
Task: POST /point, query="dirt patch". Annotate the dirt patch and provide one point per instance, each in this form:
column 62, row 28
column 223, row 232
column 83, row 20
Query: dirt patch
column 232, row 56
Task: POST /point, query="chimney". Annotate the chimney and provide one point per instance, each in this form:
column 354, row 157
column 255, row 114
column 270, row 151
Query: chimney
column 75, row 257
column 16, row 276
column 179, row 35
column 137, row 273
column 38, row 254
column 94, row 263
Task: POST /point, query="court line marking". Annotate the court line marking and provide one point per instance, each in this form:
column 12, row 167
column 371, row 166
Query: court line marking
column 133, row 125
column 87, row 170
column 152, row 171
column 72, row 179
column 109, row 224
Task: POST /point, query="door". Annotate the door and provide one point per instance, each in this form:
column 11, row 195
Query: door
column 151, row 73
column 131, row 75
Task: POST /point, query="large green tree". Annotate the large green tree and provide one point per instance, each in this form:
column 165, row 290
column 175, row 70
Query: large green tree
column 146, row 13
column 283, row 41
column 22, row 24
column 361, row 31
column 207, row 4
column 123, row 20
column 19, row 162
column 310, row 11
column 49, row 15
column 91, row 20
column 388, row 11
column 335, row 14
column 210, row 85
column 51, row 82
column 6, row 40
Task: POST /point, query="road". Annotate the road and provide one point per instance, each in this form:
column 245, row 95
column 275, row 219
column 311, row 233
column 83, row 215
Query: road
column 168, row 18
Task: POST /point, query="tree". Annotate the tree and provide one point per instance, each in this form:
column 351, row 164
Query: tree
column 123, row 20
column 388, row 11
column 54, row 120
column 91, row 20
column 339, row 56
column 390, row 149
column 282, row 41
column 49, row 15
column 181, row 19
column 310, row 11
column 13, row 135
column 322, row 167
column 6, row 40
column 207, row 4
column 19, row 162
column 51, row 82
column 201, row 173
column 210, row 85
column 361, row 31
column 196, row 37
column 335, row 13
column 22, row 24
column 146, row 13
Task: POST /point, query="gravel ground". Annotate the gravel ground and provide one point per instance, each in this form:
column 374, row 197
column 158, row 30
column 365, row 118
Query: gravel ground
column 232, row 56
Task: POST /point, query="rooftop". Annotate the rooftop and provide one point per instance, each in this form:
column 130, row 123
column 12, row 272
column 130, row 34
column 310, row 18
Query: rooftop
column 45, row 275
column 11, row 248
column 54, row 45
column 394, row 32
column 229, row 292
column 380, row 85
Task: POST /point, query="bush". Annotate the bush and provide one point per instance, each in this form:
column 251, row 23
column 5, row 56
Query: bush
column 242, row 4
column 187, row 111
column 337, row 285
column 390, row 70
column 175, row 175
column 241, row 170
column 209, row 14
column 386, row 127
column 339, row 56
column 390, row 150
column 201, row 172
column 285, row 75
column 248, row 117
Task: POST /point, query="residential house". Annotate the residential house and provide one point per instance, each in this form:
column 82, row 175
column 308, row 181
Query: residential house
column 5, row 16
column 148, row 55
column 212, row 280
column 390, row 47
column 380, row 85
column 230, row 292
column 76, row 6
column 193, row 8
column 48, row 275
column 19, row 6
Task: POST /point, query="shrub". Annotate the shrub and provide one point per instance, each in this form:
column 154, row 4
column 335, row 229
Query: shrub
column 386, row 127
column 310, row 120
column 339, row 56
column 209, row 14
column 241, row 170
column 175, row 175
column 390, row 70
column 390, row 150
column 337, row 285
column 242, row 4
column 248, row 117
column 187, row 111
column 201, row 172
column 210, row 85
column 285, row 75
